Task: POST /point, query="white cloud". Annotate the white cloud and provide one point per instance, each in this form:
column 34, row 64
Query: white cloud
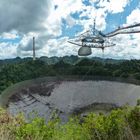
column 59, row 47
column 133, row 17
column 6, row 51
column 53, row 23
column 130, row 43
column 42, row 20
column 10, row 35
column 70, row 21
column 114, row 6
column 93, row 13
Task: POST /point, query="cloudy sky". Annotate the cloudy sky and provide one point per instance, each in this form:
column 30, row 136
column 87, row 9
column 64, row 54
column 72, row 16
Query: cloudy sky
column 53, row 22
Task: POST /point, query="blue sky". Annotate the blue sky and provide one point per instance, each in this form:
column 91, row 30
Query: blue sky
column 54, row 22
column 118, row 19
column 113, row 19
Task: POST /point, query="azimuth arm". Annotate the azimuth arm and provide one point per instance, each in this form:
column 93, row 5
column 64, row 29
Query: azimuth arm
column 119, row 30
column 129, row 32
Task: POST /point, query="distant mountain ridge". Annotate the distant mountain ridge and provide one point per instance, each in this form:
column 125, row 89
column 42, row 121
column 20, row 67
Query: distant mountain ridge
column 53, row 60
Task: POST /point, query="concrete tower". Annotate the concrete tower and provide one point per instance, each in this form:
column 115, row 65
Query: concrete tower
column 34, row 58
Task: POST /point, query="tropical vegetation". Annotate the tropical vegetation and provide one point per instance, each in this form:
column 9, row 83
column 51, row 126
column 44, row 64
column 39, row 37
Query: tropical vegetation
column 120, row 124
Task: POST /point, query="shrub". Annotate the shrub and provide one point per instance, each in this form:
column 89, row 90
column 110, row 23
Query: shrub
column 138, row 102
column 120, row 124
column 134, row 120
